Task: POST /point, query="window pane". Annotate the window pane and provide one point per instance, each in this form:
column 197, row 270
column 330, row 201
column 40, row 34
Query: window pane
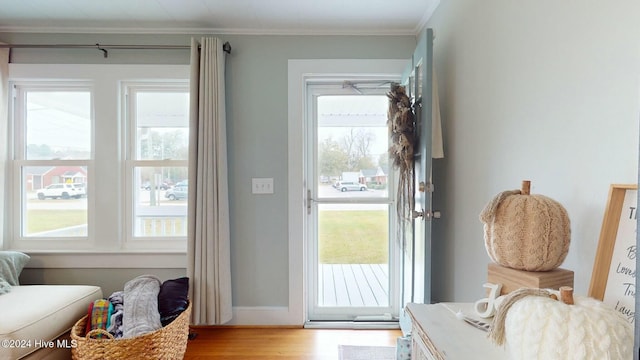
column 353, row 143
column 54, row 201
column 160, row 201
column 162, row 121
column 58, row 125
column 353, row 255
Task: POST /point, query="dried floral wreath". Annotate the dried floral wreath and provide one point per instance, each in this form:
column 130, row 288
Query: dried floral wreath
column 402, row 129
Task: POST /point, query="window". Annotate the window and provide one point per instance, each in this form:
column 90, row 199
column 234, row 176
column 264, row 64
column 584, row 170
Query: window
column 158, row 157
column 98, row 160
column 53, row 153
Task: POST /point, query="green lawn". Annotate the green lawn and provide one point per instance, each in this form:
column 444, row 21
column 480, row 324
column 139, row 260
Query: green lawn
column 46, row 220
column 353, row 237
column 344, row 237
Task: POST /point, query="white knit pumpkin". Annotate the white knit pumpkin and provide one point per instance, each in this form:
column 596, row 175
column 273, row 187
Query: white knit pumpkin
column 542, row 328
column 526, row 232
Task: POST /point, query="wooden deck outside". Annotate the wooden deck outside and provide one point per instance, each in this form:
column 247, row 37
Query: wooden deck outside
column 353, row 285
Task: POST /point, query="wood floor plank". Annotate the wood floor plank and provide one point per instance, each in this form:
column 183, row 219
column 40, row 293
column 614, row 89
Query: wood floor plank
column 379, row 292
column 280, row 343
column 355, row 296
column 345, row 285
column 328, row 292
column 341, row 286
column 382, row 273
column 363, row 286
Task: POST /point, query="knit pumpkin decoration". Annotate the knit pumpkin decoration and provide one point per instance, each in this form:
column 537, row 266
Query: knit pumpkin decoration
column 533, row 325
column 526, row 232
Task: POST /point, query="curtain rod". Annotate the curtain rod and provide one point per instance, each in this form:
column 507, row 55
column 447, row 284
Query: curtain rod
column 104, row 48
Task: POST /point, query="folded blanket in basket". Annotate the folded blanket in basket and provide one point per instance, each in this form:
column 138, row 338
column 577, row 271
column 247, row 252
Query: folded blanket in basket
column 141, row 314
column 99, row 315
column 173, row 299
column 115, row 328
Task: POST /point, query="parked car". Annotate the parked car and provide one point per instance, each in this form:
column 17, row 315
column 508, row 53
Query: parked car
column 82, row 189
column 64, row 191
column 162, row 186
column 350, row 185
column 177, row 192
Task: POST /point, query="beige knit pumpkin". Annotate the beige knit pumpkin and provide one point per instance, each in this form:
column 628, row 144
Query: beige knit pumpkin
column 526, row 232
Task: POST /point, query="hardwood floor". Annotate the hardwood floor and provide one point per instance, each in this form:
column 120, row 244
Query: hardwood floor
column 280, row 343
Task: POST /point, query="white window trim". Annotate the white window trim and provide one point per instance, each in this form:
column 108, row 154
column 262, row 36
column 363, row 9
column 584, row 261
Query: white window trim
column 95, row 253
column 298, row 73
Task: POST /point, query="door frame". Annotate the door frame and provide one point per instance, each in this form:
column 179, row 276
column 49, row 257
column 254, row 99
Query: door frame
column 299, row 71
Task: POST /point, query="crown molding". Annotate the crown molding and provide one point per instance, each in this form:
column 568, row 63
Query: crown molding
column 218, row 31
column 422, row 25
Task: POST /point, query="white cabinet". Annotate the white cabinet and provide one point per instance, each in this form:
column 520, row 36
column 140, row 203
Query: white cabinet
column 438, row 334
column 419, row 350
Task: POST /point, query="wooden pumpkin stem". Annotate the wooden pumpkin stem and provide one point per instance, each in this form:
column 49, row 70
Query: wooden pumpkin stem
column 566, row 295
column 526, row 187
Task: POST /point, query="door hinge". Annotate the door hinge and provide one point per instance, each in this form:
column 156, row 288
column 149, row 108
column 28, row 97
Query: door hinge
column 425, row 187
column 426, row 215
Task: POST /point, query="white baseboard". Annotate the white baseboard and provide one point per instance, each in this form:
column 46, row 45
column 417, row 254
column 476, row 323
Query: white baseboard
column 264, row 315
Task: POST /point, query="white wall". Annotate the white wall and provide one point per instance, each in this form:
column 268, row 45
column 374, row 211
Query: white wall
column 541, row 90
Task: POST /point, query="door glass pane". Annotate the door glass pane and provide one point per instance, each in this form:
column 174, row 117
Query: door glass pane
column 353, row 203
column 160, row 201
column 353, row 255
column 162, row 125
column 54, row 201
column 352, row 144
column 58, row 125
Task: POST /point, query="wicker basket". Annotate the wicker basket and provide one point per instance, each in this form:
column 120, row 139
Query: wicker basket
column 169, row 342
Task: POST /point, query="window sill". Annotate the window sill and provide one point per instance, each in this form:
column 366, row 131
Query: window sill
column 98, row 260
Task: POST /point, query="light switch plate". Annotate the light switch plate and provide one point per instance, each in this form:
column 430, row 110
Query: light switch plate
column 262, row 185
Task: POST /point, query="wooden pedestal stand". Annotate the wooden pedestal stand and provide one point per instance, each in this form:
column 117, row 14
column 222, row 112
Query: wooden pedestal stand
column 512, row 279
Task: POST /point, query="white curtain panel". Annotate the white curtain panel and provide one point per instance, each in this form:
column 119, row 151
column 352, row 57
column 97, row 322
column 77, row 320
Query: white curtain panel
column 208, row 250
column 4, row 95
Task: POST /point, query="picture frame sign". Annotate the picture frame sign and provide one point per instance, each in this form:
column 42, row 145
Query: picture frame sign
column 614, row 270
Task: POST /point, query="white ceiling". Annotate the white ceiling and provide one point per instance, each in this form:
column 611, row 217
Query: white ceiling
column 388, row 17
